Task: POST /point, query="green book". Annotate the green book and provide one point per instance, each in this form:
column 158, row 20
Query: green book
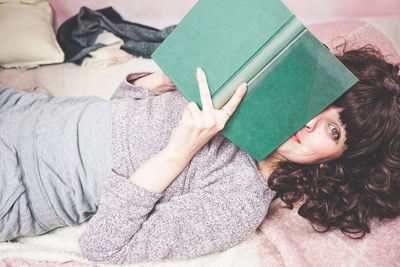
column 291, row 76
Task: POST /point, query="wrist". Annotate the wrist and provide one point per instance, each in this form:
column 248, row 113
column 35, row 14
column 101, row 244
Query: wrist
column 176, row 155
column 157, row 173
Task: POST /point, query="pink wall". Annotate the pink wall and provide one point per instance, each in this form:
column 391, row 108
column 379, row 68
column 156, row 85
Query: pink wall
column 161, row 13
column 314, row 11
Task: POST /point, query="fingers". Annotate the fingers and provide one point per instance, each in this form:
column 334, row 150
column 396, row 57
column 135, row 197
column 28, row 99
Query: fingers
column 205, row 95
column 233, row 103
column 191, row 112
column 186, row 114
column 208, row 108
column 194, row 110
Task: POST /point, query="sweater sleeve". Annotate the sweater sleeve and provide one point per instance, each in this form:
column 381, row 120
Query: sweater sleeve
column 130, row 226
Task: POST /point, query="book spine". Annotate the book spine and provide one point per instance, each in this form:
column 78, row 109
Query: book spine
column 259, row 60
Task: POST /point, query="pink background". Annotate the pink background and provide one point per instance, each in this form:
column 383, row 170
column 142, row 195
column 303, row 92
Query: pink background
column 161, row 13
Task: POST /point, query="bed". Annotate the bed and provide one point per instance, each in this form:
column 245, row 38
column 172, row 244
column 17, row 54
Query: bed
column 284, row 238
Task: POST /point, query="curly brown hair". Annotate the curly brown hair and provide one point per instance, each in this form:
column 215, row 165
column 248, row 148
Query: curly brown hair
column 364, row 183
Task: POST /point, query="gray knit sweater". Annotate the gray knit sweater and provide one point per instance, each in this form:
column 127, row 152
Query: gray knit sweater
column 217, row 200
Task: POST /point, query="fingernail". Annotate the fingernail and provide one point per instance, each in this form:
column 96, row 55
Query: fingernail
column 199, row 69
column 244, row 87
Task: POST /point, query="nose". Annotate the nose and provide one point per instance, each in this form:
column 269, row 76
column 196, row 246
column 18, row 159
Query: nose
column 310, row 126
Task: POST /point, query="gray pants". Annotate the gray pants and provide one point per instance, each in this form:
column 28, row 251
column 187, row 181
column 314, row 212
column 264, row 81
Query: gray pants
column 55, row 154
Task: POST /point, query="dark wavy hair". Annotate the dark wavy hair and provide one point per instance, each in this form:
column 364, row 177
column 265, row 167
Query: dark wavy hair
column 364, row 183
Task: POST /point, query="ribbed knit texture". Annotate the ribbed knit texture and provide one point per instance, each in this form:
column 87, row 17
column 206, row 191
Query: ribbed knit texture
column 216, row 201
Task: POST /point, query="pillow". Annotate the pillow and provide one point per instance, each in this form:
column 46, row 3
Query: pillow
column 26, row 34
column 383, row 33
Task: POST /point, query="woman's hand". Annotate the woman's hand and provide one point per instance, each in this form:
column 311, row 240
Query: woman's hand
column 196, row 126
column 156, row 82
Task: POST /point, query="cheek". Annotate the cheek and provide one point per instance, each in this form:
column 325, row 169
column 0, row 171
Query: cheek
column 323, row 147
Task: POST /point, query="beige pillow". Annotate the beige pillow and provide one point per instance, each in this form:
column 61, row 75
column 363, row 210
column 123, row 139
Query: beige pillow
column 26, row 34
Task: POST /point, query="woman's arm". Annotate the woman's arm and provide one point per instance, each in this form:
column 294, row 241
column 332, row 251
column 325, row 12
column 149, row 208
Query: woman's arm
column 194, row 130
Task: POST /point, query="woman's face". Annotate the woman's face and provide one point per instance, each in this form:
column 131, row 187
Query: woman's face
column 320, row 140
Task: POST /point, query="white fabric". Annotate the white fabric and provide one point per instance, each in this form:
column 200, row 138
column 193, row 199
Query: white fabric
column 69, row 79
column 110, row 54
column 61, row 245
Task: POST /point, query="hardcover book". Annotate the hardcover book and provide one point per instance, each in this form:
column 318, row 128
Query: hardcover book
column 291, row 75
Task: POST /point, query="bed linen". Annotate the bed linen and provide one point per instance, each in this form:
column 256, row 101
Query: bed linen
column 283, row 239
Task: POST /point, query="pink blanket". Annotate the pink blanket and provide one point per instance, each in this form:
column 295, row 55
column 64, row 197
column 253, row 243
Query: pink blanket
column 297, row 244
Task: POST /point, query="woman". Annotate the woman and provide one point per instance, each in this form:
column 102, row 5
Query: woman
column 213, row 195
column 179, row 192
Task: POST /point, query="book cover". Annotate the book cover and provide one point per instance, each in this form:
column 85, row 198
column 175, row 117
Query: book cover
column 291, row 76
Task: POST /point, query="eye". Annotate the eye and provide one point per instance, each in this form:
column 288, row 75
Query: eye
column 334, row 132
